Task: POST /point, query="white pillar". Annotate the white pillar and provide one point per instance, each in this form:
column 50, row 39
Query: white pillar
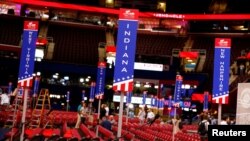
column 26, row 92
column 120, row 116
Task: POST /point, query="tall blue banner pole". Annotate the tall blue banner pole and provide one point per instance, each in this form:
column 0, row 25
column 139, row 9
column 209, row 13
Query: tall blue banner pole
column 177, row 95
column 26, row 67
column 67, row 100
column 125, row 56
column 35, row 91
column 221, row 73
column 169, row 105
column 205, row 101
column 177, row 92
column 100, row 84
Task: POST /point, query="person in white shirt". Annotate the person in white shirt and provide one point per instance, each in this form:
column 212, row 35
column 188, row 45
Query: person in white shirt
column 5, row 100
column 141, row 115
column 150, row 116
column 107, row 110
column 224, row 120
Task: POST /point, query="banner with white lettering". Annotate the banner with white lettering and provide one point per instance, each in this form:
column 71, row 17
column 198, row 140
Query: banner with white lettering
column 100, row 82
column 221, row 70
column 177, row 90
column 92, row 92
column 153, row 101
column 205, row 101
column 125, row 52
column 228, row 132
column 27, row 60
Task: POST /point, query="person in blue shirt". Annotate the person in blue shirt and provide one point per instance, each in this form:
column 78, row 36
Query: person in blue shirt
column 106, row 123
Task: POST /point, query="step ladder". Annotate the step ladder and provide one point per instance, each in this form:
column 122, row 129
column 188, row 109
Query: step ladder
column 15, row 111
column 41, row 109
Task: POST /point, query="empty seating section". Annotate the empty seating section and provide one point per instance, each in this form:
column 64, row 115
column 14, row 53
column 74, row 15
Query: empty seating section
column 124, row 133
column 48, row 133
column 157, row 44
column 59, row 117
column 12, row 132
column 75, row 134
column 105, row 133
column 131, row 130
column 135, row 131
column 66, row 132
column 87, row 132
column 203, row 42
column 238, row 45
column 148, row 23
column 31, row 133
column 11, row 28
column 75, row 44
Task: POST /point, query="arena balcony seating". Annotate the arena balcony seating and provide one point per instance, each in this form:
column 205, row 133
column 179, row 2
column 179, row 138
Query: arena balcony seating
column 73, row 44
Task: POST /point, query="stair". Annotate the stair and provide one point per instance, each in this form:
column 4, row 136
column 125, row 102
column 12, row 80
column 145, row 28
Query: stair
column 42, row 107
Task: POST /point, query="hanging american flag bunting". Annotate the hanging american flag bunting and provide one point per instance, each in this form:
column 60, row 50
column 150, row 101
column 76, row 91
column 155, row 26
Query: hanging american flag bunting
column 26, row 68
column 92, row 92
column 100, row 83
column 125, row 52
column 177, row 91
column 205, row 101
column 221, row 70
column 83, row 95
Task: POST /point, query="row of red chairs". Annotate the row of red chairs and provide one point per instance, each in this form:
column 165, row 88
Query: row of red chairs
column 164, row 136
column 105, row 133
column 142, row 135
column 187, row 137
column 124, row 133
column 88, row 133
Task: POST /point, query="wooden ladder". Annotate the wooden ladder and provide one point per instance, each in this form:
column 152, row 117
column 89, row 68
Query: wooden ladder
column 41, row 109
column 14, row 113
